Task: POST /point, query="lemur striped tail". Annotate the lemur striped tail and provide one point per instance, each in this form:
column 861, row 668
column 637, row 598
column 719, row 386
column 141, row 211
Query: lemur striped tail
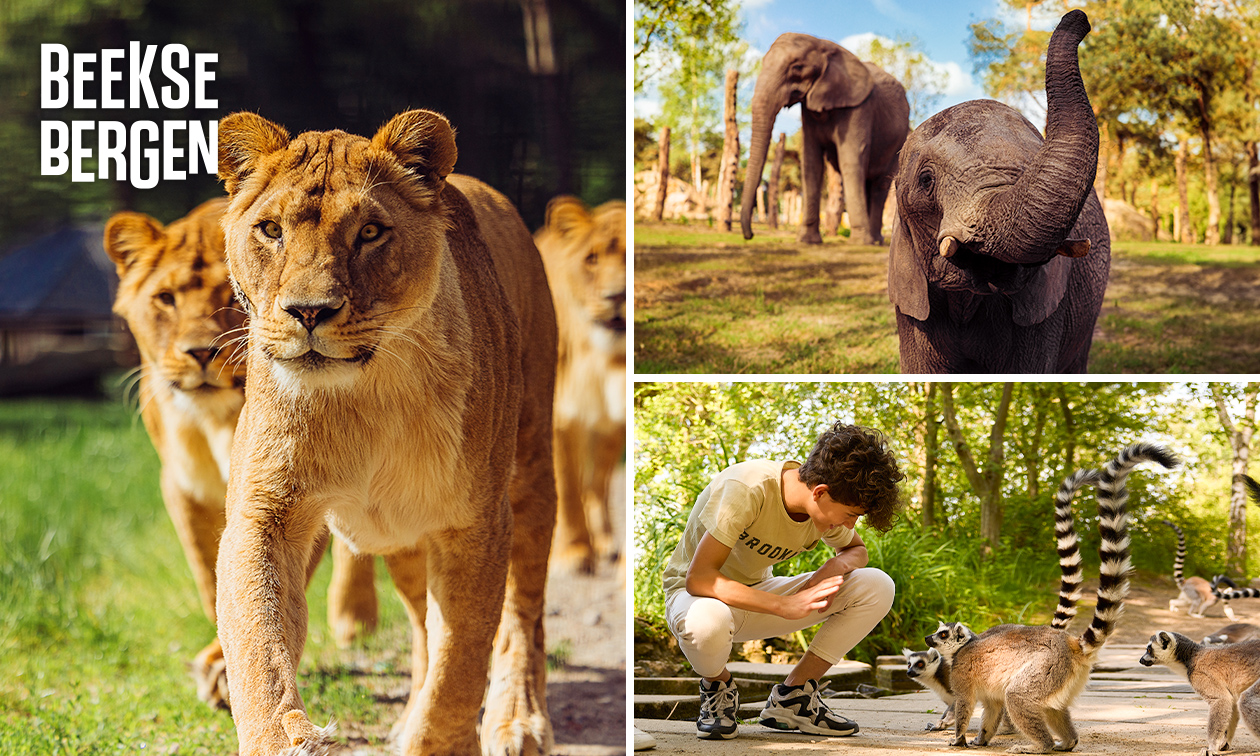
column 1179, row 563
column 1113, row 529
column 1239, row 593
column 1069, row 546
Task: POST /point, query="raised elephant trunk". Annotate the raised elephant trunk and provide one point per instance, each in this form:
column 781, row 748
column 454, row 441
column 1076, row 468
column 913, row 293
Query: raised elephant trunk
column 764, row 109
column 1030, row 222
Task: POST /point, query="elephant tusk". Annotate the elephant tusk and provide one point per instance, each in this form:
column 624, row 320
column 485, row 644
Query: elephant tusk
column 1074, row 248
column 949, row 245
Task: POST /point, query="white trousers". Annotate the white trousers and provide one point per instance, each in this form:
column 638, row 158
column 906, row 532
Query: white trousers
column 707, row 629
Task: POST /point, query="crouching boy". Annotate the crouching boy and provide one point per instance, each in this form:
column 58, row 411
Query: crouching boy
column 720, row 589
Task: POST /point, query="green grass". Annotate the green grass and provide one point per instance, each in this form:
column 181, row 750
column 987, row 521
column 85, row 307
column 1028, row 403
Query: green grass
column 710, row 302
column 99, row 613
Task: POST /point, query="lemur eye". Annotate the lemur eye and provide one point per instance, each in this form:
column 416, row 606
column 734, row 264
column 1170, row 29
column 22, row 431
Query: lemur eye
column 371, row 232
column 270, row 229
column 166, row 298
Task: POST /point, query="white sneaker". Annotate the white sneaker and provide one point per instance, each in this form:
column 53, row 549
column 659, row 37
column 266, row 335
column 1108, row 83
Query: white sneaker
column 797, row 707
column 643, row 741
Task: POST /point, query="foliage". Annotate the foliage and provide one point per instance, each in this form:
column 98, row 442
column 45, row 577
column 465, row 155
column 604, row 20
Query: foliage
column 924, row 81
column 667, row 28
column 686, row 432
column 323, row 65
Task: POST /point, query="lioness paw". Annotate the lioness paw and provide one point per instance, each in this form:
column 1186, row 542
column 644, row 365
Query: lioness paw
column 305, row 738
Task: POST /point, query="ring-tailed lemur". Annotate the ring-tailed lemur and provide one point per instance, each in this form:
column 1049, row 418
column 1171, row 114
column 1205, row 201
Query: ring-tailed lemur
column 1224, row 676
column 1253, row 490
column 1197, row 594
column 929, row 668
column 1038, row 672
column 1234, row 633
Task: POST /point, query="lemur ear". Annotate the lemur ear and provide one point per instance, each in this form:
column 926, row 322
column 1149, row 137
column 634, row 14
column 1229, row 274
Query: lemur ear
column 1165, row 639
column 933, row 654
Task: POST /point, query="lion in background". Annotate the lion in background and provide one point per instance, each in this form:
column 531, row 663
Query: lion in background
column 175, row 296
column 585, row 255
column 402, row 356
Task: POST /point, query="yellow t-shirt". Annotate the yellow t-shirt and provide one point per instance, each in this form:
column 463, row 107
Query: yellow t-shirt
column 743, row 508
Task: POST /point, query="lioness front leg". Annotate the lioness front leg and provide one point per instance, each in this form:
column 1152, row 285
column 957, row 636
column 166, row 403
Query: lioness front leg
column 352, row 608
column 466, row 575
column 264, row 559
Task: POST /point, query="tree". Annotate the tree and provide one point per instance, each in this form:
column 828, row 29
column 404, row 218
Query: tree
column 925, row 81
column 663, row 27
column 662, row 171
column 730, row 154
column 985, row 476
column 1240, row 430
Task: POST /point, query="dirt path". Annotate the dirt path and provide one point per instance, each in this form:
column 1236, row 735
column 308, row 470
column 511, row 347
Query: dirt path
column 1126, row 709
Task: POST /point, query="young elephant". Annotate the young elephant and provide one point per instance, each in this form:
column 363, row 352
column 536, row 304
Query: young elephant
column 1000, row 254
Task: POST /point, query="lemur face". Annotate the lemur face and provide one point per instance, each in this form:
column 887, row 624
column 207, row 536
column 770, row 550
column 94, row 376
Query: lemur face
column 921, row 663
column 949, row 637
column 1160, row 650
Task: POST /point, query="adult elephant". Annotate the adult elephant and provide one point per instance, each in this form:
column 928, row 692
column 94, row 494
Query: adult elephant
column 1000, row 252
column 853, row 114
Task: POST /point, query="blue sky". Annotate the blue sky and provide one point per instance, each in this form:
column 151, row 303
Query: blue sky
column 941, row 27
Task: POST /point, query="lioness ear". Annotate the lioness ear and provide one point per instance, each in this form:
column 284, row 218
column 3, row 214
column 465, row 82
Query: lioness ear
column 243, row 139
column 127, row 234
column 423, row 141
column 567, row 214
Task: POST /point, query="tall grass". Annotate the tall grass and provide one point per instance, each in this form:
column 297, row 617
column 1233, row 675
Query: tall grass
column 98, row 610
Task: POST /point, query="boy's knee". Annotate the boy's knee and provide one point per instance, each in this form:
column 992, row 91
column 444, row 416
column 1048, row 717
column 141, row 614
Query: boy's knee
column 873, row 585
column 707, row 621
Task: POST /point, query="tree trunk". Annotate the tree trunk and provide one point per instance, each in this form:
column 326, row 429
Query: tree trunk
column 1212, row 235
column 986, row 482
column 1069, row 429
column 1253, row 189
column 1155, row 206
column 772, row 192
column 931, row 449
column 835, row 201
column 1183, row 190
column 1240, row 434
column 540, row 57
column 730, row 154
column 1227, row 234
column 662, row 169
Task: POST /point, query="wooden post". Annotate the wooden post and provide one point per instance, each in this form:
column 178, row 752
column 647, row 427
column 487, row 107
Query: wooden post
column 662, row 169
column 835, row 201
column 730, row 155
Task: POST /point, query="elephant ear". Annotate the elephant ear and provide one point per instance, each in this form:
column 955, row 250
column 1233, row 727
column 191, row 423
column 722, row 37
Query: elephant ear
column 845, row 82
column 1042, row 295
column 907, row 281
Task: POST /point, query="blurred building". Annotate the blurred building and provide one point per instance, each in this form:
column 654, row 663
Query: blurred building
column 57, row 330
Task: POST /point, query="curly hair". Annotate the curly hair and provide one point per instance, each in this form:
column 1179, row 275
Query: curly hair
column 859, row 470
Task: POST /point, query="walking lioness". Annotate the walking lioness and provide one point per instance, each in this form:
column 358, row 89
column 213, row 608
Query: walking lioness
column 402, row 351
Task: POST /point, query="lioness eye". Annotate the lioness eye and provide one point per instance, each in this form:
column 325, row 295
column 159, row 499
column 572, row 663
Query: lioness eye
column 370, row 232
column 166, row 298
column 592, row 258
column 271, row 229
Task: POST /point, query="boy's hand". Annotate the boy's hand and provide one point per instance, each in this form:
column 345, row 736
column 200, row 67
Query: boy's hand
column 811, row 598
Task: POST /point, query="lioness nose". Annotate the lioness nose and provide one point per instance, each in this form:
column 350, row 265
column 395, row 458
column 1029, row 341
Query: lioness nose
column 203, row 356
column 311, row 315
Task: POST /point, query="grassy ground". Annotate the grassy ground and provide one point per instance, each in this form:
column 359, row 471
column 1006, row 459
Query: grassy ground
column 710, row 302
column 98, row 611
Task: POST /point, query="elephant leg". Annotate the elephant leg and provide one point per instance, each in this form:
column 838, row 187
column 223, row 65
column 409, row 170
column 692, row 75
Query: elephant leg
column 877, row 196
column 853, row 172
column 812, row 180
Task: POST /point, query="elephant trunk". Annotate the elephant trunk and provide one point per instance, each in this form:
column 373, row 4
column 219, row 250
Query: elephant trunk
column 764, row 109
column 1029, row 222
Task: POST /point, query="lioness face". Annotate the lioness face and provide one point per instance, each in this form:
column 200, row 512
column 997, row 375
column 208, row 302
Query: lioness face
column 334, row 243
column 604, row 268
column 174, row 294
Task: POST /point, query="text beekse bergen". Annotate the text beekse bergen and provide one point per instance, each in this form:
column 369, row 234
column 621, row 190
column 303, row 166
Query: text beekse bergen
column 145, row 151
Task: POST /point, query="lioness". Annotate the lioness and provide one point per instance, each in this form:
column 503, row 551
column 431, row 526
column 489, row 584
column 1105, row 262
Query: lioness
column 174, row 294
column 584, row 252
column 402, row 349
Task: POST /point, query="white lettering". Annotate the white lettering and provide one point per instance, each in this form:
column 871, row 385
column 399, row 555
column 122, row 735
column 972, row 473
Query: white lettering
column 54, row 90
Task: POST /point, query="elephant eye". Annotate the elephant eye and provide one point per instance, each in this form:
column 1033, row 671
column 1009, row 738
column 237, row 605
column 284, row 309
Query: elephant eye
column 926, row 181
